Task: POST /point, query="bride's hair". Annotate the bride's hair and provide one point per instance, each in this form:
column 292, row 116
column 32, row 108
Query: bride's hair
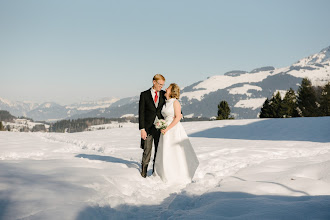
column 175, row 91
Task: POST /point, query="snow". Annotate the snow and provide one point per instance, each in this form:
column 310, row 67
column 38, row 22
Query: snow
column 47, row 105
column 282, row 93
column 318, row 77
column 308, row 67
column 250, row 103
column 18, row 124
column 244, row 89
column 92, row 105
column 5, row 101
column 249, row 169
column 215, row 83
column 87, row 108
column 189, row 115
column 114, row 124
column 322, row 57
column 127, row 116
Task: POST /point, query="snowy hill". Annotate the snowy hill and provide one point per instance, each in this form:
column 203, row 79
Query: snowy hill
column 244, row 91
column 249, row 169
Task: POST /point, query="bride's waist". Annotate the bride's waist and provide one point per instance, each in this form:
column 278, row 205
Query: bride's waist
column 169, row 119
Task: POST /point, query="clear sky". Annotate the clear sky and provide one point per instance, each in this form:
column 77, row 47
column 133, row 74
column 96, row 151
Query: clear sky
column 69, row 51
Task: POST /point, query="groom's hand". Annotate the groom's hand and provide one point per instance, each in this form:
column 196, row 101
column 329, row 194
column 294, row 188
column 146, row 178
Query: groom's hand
column 143, row 134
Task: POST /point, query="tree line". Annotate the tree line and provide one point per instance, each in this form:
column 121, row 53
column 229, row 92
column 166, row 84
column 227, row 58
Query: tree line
column 73, row 125
column 82, row 124
column 310, row 101
column 6, row 116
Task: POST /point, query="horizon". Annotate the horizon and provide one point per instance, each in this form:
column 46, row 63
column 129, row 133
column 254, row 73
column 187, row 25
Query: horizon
column 68, row 53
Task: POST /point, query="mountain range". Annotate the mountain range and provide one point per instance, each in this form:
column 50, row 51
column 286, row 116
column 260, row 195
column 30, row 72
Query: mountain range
column 50, row 111
column 245, row 92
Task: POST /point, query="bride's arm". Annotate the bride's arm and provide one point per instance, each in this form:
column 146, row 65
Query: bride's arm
column 177, row 116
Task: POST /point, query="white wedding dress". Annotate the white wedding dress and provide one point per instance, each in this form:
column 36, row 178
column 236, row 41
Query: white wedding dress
column 176, row 161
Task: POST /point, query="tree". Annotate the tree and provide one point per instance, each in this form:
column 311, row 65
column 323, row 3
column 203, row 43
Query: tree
column 1, row 126
column 289, row 104
column 276, row 106
column 325, row 100
column 6, row 116
column 307, row 99
column 265, row 110
column 39, row 127
column 223, row 110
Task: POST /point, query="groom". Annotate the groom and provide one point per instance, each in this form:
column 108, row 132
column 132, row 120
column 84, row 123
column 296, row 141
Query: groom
column 150, row 106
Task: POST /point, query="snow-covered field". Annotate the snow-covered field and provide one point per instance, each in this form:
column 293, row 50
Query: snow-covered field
column 249, row 169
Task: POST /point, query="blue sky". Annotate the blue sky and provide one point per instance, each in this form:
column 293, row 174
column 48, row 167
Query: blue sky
column 71, row 51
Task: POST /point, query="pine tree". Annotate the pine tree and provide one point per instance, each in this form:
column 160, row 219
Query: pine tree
column 325, row 100
column 223, row 110
column 265, row 110
column 276, row 110
column 307, row 99
column 289, row 104
column 1, row 126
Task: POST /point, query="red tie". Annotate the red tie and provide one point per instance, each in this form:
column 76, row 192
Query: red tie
column 156, row 97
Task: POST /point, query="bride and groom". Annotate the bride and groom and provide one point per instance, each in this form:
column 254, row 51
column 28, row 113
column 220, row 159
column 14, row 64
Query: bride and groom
column 174, row 160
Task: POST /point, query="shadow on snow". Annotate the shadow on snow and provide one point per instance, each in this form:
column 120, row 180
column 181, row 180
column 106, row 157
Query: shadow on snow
column 289, row 129
column 130, row 164
column 219, row 205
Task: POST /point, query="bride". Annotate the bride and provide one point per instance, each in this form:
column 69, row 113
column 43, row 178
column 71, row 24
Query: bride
column 176, row 161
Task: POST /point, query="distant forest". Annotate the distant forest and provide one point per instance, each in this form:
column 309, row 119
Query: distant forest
column 309, row 101
column 74, row 125
column 6, row 116
column 82, row 124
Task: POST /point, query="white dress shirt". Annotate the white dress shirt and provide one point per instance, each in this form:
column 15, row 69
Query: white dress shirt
column 153, row 93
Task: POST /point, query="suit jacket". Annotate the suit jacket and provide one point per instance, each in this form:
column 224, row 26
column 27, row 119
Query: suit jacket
column 148, row 110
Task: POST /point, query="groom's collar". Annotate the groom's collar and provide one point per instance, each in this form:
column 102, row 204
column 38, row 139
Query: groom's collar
column 153, row 91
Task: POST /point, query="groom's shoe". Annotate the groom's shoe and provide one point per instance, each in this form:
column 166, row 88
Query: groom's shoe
column 144, row 170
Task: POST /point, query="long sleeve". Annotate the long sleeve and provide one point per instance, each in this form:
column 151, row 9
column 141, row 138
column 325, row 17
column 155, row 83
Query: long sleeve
column 141, row 111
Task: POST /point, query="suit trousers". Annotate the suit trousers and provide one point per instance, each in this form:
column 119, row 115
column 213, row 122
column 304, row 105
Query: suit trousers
column 148, row 148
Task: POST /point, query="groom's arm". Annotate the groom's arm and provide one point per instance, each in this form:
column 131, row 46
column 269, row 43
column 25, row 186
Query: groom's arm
column 141, row 116
column 141, row 111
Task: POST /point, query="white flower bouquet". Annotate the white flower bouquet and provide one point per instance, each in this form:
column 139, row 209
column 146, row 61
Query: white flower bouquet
column 161, row 124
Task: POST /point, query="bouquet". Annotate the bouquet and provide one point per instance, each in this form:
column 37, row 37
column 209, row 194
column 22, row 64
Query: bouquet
column 160, row 124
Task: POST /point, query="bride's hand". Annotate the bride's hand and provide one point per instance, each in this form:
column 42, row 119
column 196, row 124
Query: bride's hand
column 163, row 131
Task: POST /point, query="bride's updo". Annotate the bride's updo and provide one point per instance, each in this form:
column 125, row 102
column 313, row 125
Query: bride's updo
column 175, row 91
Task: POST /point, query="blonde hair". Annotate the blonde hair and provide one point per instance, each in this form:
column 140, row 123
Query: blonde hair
column 175, row 91
column 158, row 77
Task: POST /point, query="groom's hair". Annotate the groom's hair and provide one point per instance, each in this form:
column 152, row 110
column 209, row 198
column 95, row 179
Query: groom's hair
column 159, row 77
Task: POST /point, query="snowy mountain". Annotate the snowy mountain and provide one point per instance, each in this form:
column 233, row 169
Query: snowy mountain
column 50, row 111
column 244, row 91
column 17, row 108
column 123, row 107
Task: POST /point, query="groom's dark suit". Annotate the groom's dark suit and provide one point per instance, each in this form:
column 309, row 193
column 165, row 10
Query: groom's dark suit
column 147, row 114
